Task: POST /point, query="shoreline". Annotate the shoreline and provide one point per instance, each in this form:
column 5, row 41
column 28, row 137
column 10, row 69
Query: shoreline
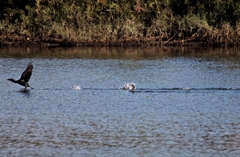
column 111, row 23
column 17, row 41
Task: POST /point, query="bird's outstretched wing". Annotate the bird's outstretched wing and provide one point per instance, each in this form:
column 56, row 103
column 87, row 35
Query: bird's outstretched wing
column 26, row 75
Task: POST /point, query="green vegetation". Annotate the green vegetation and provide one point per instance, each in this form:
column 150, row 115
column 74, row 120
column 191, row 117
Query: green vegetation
column 117, row 22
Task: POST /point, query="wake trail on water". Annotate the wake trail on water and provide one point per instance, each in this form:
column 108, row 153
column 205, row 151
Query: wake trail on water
column 139, row 90
column 161, row 90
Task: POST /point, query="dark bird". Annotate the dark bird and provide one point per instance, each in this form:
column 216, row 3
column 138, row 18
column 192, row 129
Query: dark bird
column 26, row 75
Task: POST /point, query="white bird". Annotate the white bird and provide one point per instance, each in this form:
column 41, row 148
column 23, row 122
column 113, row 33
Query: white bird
column 76, row 88
column 129, row 86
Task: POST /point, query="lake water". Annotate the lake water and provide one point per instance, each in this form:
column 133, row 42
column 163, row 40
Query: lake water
column 187, row 102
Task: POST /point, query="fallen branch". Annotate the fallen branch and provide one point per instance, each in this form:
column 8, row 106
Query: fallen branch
column 169, row 39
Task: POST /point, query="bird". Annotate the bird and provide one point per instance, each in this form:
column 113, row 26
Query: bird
column 130, row 86
column 26, row 75
column 76, row 88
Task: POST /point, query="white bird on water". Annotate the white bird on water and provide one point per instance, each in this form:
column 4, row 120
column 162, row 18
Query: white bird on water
column 76, row 88
column 129, row 86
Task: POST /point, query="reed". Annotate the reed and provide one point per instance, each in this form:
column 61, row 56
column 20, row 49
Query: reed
column 104, row 22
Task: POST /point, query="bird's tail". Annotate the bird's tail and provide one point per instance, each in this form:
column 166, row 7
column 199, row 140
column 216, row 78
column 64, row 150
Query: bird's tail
column 12, row 80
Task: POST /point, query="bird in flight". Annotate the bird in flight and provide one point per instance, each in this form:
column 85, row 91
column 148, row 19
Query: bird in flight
column 26, row 75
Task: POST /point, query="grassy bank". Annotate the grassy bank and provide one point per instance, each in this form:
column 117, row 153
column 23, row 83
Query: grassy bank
column 115, row 22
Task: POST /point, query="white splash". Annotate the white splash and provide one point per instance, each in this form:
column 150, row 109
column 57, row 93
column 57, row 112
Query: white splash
column 76, row 88
column 129, row 86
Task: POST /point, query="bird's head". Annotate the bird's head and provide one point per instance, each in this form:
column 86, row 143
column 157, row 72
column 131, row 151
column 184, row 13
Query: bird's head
column 30, row 66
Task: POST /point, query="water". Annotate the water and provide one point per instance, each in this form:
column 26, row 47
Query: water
column 186, row 102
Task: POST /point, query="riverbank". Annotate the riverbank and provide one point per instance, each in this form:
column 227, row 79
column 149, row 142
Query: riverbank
column 56, row 41
column 113, row 23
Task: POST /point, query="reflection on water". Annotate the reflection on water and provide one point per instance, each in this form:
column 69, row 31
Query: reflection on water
column 114, row 52
column 186, row 102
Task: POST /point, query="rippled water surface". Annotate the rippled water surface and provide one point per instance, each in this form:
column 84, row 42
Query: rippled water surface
column 187, row 102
